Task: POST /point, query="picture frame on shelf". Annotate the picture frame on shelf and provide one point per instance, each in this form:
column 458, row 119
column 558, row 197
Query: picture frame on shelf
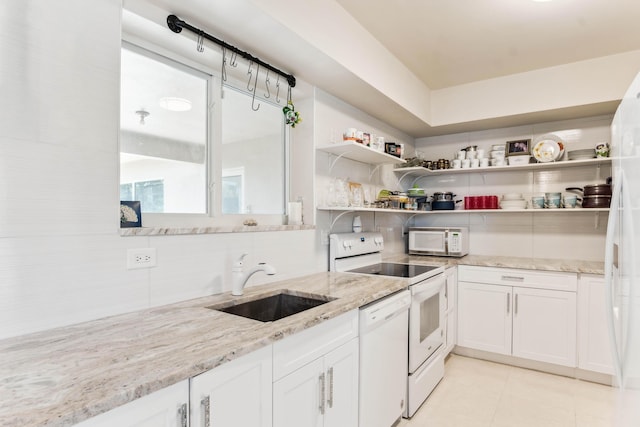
column 518, row 147
column 130, row 215
column 366, row 139
column 393, row 149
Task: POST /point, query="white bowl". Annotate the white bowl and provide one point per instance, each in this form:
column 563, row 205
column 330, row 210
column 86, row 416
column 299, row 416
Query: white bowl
column 512, row 196
column 513, row 204
column 519, row 160
column 497, row 154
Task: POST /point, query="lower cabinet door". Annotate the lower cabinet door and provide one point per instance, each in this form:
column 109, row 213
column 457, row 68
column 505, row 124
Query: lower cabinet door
column 341, row 390
column 322, row 393
column 544, row 325
column 298, row 398
column 594, row 347
column 164, row 408
column 484, row 317
column 235, row 394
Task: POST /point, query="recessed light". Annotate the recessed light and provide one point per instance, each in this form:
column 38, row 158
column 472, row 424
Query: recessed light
column 175, row 104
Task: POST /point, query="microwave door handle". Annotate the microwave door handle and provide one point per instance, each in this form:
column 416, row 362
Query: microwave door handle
column 446, row 242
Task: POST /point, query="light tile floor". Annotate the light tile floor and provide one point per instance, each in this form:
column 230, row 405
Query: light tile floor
column 476, row 393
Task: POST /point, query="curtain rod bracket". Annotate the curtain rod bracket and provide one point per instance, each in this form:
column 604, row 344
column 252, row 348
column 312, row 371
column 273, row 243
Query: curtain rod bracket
column 176, row 25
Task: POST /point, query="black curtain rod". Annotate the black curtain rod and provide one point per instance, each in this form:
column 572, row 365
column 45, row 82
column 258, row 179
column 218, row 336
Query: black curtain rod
column 176, row 25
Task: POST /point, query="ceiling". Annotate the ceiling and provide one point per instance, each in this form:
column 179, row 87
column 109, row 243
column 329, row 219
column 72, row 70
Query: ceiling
column 442, row 44
column 448, row 43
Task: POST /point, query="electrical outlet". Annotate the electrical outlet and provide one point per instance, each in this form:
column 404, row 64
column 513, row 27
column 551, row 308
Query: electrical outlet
column 141, row 258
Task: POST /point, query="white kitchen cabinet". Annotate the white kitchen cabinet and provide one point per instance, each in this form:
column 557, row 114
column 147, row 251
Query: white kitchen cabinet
column 168, row 407
column 544, row 325
column 316, row 376
column 594, row 347
column 237, row 393
column 484, row 317
column 323, row 393
column 451, row 313
column 523, row 321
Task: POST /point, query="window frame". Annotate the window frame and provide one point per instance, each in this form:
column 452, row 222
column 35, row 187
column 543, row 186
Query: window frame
column 213, row 148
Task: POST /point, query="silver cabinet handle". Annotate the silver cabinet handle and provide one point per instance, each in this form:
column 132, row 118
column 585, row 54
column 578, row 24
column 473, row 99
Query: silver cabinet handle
column 330, row 399
column 513, row 278
column 182, row 415
column 321, row 381
column 205, row 403
column 515, row 306
column 508, row 302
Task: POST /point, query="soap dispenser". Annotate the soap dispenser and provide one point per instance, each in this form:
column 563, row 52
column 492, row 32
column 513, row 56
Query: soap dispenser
column 357, row 224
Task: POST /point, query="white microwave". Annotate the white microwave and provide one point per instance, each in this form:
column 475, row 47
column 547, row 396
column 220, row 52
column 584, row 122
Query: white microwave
column 440, row 241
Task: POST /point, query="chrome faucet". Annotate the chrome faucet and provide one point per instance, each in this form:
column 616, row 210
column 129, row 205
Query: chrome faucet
column 240, row 277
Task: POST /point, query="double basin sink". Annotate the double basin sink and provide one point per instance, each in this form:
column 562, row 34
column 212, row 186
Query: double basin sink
column 283, row 304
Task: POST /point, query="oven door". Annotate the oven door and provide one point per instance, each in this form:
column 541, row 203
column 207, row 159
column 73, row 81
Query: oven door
column 426, row 320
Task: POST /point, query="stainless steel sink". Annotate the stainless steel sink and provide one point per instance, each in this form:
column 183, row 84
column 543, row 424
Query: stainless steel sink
column 274, row 307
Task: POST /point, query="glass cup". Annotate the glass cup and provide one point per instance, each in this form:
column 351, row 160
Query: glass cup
column 552, row 202
column 537, row 202
column 570, row 201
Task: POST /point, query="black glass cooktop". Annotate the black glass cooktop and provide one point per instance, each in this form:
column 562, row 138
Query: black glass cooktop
column 395, row 270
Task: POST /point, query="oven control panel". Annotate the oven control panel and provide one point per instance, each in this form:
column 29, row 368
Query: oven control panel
column 343, row 245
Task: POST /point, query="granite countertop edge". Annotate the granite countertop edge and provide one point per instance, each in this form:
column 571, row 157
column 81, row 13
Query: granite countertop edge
column 540, row 264
column 62, row 376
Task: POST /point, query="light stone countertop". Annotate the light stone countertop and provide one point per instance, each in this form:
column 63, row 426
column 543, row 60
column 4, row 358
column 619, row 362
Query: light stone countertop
column 178, row 231
column 62, row 376
column 567, row 266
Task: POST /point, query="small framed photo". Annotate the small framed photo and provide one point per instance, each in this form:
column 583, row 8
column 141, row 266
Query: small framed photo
column 130, row 214
column 366, row 139
column 393, row 149
column 518, row 147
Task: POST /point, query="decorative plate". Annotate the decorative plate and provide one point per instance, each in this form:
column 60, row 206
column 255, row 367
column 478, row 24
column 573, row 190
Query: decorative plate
column 548, row 148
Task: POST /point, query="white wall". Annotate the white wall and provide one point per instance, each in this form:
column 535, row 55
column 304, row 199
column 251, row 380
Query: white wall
column 62, row 259
column 332, row 116
column 558, row 235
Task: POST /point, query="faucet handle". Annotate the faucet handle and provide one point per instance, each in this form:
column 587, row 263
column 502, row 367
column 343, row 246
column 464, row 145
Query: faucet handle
column 237, row 266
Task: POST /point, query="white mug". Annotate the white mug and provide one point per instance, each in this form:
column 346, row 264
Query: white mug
column 484, row 162
column 461, row 155
column 466, row 163
column 456, row 163
column 475, row 163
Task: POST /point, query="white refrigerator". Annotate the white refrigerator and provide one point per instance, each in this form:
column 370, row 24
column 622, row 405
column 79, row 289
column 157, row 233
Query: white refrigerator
column 622, row 265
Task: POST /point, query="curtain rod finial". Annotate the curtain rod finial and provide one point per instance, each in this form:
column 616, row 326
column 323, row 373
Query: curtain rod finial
column 174, row 23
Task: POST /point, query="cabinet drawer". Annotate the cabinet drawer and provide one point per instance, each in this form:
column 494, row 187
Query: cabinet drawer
column 515, row 277
column 297, row 350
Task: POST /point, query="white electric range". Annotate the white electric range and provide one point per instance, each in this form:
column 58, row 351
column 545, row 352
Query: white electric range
column 361, row 253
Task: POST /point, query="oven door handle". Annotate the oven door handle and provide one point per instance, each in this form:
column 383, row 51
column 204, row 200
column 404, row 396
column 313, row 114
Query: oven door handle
column 429, row 288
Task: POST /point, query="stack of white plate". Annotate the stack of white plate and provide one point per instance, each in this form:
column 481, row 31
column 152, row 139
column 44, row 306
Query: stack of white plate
column 588, row 153
column 512, row 201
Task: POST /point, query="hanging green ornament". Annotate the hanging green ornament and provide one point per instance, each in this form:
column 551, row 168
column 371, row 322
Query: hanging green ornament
column 291, row 116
